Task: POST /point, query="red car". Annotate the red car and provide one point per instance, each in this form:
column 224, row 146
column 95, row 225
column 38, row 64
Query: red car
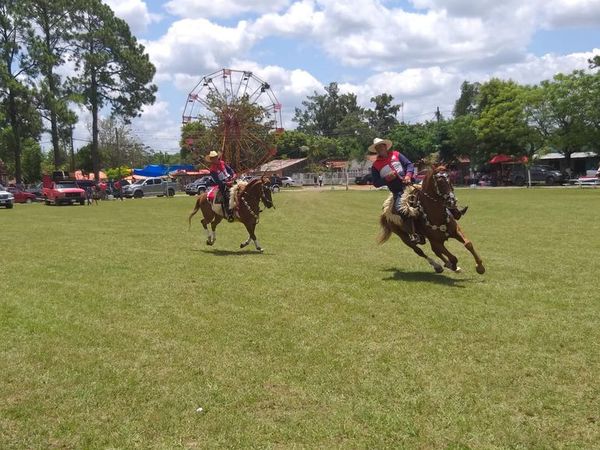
column 22, row 196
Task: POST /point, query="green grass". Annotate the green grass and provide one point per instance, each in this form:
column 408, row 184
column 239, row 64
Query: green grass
column 117, row 323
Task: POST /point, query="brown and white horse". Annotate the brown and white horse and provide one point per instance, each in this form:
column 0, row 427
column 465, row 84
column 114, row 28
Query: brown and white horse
column 430, row 207
column 245, row 199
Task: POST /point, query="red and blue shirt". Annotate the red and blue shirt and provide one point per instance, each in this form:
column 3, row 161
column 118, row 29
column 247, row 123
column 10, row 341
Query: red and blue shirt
column 221, row 172
column 391, row 169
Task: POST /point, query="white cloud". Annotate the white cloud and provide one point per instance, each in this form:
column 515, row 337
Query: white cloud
column 571, row 13
column 394, row 38
column 134, row 12
column 222, row 8
column 198, row 46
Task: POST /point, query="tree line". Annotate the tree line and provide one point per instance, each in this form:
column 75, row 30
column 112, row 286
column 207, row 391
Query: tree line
column 498, row 116
column 55, row 54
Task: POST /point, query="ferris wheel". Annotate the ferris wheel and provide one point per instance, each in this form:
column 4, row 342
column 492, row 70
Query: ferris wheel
column 236, row 113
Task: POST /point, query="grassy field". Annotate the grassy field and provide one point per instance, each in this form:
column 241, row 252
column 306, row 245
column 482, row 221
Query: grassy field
column 117, row 324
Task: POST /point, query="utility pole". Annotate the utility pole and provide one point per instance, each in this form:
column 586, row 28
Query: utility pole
column 402, row 111
column 438, row 115
column 72, row 153
column 118, row 151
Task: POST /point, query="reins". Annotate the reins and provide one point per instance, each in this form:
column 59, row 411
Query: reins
column 247, row 205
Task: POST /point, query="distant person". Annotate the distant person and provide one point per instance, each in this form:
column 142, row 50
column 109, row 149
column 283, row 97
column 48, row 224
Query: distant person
column 321, row 180
column 315, row 180
column 96, row 194
column 89, row 195
column 118, row 190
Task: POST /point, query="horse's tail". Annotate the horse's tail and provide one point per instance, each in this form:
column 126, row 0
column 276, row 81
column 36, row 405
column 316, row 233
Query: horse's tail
column 386, row 229
column 196, row 208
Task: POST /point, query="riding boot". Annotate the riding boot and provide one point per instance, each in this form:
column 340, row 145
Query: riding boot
column 227, row 212
column 458, row 213
column 408, row 225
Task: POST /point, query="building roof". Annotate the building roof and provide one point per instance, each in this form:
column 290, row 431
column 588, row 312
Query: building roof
column 279, row 164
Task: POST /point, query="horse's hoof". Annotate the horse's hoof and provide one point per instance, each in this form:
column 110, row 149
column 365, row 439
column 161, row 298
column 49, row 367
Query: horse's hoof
column 480, row 270
column 438, row 269
column 260, row 250
column 242, row 245
column 458, row 269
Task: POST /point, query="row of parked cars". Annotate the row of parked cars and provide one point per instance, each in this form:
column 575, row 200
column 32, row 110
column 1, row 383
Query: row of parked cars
column 11, row 195
column 204, row 183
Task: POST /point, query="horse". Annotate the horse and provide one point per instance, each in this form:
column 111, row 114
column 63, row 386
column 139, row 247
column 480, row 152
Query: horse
column 244, row 202
column 430, row 206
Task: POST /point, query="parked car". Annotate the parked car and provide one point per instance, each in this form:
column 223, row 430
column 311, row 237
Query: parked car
column 22, row 196
column 150, row 186
column 288, row 182
column 539, row 174
column 364, row 179
column 199, row 186
column 65, row 191
column 37, row 190
column 6, row 199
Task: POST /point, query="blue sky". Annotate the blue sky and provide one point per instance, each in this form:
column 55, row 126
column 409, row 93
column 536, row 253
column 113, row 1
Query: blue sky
column 420, row 51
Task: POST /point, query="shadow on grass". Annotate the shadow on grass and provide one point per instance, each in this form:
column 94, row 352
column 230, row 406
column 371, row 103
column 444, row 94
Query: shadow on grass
column 216, row 252
column 429, row 277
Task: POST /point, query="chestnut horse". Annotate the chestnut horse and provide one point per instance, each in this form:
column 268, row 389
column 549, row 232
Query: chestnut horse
column 429, row 205
column 246, row 198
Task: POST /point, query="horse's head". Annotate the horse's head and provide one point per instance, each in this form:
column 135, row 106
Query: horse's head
column 266, row 193
column 438, row 183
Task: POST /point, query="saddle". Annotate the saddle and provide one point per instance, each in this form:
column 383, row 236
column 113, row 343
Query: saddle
column 214, row 194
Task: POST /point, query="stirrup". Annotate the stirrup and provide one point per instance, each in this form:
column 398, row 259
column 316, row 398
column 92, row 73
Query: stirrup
column 416, row 238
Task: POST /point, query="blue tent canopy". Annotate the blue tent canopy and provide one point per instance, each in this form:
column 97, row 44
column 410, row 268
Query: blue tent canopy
column 159, row 170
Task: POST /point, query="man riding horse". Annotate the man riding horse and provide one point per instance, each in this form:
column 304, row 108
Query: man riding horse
column 393, row 169
column 224, row 176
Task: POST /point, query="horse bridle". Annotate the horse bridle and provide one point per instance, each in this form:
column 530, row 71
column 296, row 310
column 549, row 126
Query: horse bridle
column 264, row 199
column 268, row 202
column 449, row 199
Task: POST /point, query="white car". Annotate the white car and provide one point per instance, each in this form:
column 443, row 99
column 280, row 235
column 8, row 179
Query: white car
column 289, row 182
column 6, row 199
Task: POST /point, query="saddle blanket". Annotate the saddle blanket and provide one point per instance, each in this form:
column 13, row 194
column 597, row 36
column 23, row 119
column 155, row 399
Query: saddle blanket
column 212, row 193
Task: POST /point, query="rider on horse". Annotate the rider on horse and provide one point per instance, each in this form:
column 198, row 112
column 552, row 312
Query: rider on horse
column 223, row 175
column 393, row 169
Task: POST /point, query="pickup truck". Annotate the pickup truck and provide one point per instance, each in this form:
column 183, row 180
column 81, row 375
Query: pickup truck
column 6, row 198
column 150, row 186
column 63, row 191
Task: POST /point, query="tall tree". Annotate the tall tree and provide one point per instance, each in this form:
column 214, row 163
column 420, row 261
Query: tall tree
column 48, row 45
column 467, row 101
column 414, row 140
column 292, row 144
column 569, row 108
column 113, row 68
column 17, row 71
column 501, row 126
column 382, row 118
column 323, row 113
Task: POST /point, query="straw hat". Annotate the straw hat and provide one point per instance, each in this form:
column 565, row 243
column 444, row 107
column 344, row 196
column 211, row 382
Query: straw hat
column 378, row 141
column 211, row 155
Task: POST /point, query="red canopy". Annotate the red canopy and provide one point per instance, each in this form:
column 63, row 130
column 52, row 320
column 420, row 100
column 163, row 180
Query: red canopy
column 502, row 158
